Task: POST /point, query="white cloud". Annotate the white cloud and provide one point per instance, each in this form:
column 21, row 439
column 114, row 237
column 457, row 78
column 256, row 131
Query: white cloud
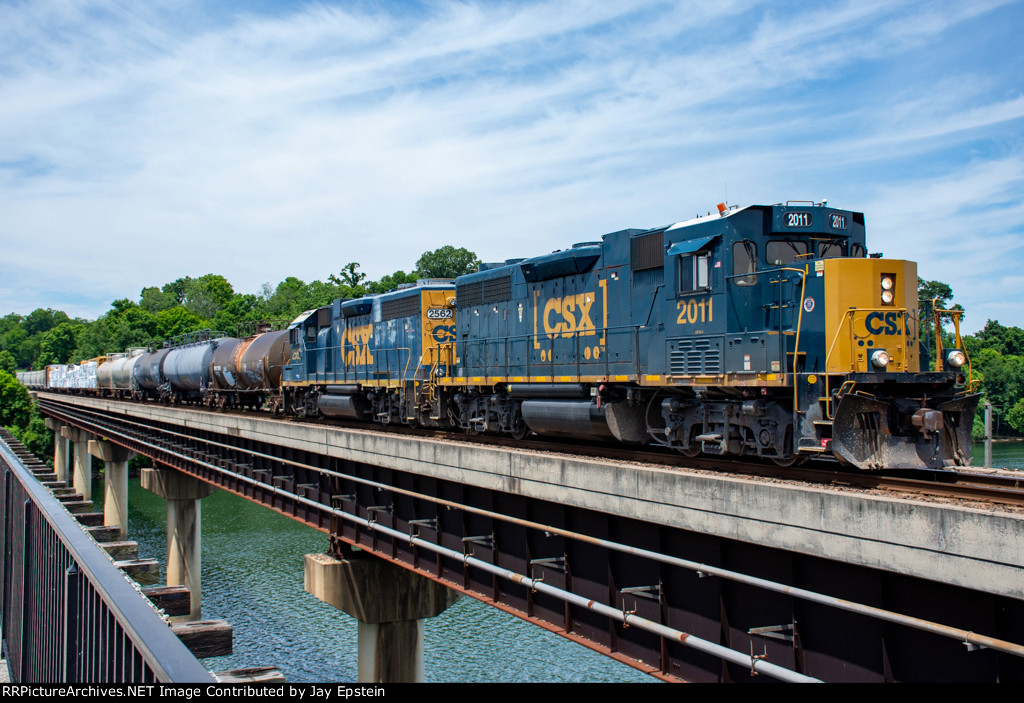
column 140, row 145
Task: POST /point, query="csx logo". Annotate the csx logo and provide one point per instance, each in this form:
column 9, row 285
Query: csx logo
column 444, row 333
column 355, row 344
column 886, row 323
column 569, row 316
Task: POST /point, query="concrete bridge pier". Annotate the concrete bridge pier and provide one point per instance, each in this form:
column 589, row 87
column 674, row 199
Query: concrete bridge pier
column 82, row 474
column 61, row 449
column 389, row 602
column 184, row 554
column 115, row 482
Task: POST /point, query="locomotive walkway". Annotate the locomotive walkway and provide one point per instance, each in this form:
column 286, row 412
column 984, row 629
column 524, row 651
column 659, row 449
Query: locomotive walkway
column 688, row 574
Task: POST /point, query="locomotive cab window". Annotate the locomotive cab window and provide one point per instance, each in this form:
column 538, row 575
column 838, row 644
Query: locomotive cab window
column 858, row 251
column 695, row 272
column 744, row 261
column 781, row 253
column 829, row 249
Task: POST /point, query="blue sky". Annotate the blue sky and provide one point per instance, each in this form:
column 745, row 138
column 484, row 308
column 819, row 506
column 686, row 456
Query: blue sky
column 141, row 142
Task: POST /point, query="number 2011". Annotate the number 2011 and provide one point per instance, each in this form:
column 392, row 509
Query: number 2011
column 693, row 311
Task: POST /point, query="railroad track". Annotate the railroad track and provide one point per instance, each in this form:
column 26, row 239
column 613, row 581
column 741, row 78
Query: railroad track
column 1004, row 488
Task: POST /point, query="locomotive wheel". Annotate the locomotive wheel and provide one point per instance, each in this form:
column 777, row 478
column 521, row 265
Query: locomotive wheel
column 787, row 461
column 521, row 430
column 690, row 451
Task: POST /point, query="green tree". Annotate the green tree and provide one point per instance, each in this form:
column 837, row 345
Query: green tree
column 57, row 345
column 350, row 276
column 177, row 320
column 392, row 281
column 207, row 294
column 39, row 320
column 15, row 402
column 178, row 288
column 289, row 299
column 7, row 362
column 155, row 300
column 447, row 262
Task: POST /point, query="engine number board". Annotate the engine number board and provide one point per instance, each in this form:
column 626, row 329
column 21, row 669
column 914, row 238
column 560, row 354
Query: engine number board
column 798, row 219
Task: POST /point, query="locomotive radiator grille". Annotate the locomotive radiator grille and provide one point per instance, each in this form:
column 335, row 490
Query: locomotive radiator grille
column 700, row 356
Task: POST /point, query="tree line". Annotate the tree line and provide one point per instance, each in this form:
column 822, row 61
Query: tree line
column 47, row 336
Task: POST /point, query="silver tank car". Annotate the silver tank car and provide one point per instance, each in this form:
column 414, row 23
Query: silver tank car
column 148, row 375
column 105, row 372
column 187, row 365
column 124, row 373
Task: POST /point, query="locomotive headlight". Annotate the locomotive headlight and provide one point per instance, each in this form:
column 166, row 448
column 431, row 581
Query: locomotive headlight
column 956, row 358
column 887, row 283
column 880, row 358
column 887, row 297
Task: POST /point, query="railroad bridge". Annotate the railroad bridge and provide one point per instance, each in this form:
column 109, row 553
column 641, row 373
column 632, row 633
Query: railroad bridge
column 687, row 574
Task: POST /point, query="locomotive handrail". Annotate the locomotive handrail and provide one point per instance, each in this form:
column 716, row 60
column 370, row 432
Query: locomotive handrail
column 484, row 343
column 799, row 323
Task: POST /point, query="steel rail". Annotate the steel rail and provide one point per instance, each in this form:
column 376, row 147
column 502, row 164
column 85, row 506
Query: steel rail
column 965, row 636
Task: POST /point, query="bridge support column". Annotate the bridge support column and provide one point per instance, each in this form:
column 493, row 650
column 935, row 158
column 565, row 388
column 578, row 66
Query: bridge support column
column 82, row 474
column 61, row 449
column 115, row 482
column 389, row 602
column 184, row 559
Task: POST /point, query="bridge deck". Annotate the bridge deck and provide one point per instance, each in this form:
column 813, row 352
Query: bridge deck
column 614, row 535
column 977, row 548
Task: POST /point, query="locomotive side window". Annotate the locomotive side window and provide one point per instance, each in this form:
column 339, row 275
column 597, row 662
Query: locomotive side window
column 858, row 251
column 695, row 272
column 782, row 253
column 829, row 250
column 744, row 261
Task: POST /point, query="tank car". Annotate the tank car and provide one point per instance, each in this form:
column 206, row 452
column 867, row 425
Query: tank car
column 247, row 371
column 116, row 375
column 186, row 366
column 148, row 372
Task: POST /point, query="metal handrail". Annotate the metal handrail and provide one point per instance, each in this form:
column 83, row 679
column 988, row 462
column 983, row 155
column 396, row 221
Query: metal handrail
column 165, row 657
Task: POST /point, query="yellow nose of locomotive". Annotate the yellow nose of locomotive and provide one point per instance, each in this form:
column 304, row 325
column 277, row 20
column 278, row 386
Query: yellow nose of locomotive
column 871, row 321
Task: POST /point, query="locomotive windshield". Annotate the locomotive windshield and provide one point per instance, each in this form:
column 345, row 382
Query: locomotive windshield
column 830, row 248
column 781, row 253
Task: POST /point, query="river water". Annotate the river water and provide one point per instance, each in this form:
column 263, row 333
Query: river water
column 1007, row 454
column 252, row 577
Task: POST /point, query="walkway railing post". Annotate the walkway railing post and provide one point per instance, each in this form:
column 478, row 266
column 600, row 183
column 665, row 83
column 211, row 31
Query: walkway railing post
column 72, row 650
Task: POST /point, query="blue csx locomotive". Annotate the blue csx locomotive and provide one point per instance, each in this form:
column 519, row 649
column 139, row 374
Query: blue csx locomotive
column 760, row 331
